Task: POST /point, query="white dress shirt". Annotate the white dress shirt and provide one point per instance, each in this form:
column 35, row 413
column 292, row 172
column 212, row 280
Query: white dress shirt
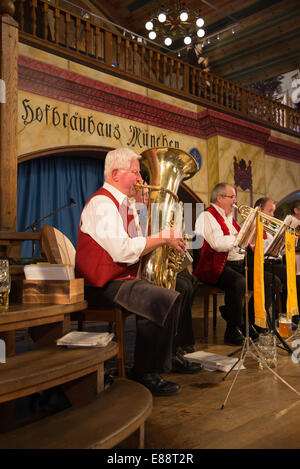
column 102, row 221
column 293, row 222
column 208, row 227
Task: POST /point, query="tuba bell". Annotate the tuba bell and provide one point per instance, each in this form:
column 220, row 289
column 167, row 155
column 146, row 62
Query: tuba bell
column 167, row 168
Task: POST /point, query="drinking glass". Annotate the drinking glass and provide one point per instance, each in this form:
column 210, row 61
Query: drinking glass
column 284, row 326
column 267, row 348
column 4, row 285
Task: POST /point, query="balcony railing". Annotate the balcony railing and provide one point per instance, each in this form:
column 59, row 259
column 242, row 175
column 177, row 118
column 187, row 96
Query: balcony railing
column 57, row 30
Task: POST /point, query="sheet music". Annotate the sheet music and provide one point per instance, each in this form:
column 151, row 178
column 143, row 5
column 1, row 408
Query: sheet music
column 292, row 221
column 85, row 339
column 213, row 361
column 277, row 243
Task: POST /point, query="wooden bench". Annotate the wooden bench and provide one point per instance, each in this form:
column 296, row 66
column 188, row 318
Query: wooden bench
column 40, row 369
column 103, row 422
column 97, row 418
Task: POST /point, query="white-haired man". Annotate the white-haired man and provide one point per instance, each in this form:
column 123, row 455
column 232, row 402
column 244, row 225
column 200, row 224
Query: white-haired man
column 110, row 246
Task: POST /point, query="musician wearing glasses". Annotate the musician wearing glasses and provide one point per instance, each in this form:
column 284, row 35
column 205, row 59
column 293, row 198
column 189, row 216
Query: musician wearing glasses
column 110, row 246
column 222, row 264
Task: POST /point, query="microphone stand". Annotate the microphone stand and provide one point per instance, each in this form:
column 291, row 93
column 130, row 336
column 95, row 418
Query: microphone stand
column 33, row 226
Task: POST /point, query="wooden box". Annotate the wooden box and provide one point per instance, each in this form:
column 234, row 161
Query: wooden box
column 53, row 291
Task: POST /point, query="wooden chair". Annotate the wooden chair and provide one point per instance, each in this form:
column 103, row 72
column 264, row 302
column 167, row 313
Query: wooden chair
column 209, row 290
column 58, row 249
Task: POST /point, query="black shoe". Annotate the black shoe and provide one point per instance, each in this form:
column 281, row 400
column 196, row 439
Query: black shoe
column 181, row 365
column 189, row 349
column 252, row 332
column 233, row 335
column 157, row 385
column 185, row 349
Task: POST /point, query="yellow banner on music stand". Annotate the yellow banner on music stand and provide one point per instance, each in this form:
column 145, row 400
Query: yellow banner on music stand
column 292, row 300
column 258, row 280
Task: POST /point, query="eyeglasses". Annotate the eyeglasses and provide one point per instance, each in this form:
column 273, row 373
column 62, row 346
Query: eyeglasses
column 133, row 171
column 233, row 197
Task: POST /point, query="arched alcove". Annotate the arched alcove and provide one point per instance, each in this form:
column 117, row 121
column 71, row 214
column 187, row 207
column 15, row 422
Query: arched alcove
column 284, row 206
column 49, row 179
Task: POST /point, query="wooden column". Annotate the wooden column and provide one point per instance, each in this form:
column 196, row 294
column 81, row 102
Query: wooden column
column 8, row 116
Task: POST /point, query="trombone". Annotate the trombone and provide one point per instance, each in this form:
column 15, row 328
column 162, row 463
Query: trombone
column 271, row 224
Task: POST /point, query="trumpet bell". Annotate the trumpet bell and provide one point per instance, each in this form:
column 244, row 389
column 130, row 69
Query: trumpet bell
column 271, row 224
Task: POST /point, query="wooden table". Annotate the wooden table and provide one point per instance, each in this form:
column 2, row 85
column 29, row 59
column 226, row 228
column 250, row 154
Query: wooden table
column 10, row 240
column 46, row 322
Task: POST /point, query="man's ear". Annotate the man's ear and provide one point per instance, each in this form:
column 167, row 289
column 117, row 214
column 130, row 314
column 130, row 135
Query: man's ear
column 114, row 175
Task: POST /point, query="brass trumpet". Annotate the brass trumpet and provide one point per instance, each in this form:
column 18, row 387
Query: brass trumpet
column 271, row 224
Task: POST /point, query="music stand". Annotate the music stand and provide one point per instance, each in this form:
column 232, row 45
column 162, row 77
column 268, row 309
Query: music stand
column 249, row 343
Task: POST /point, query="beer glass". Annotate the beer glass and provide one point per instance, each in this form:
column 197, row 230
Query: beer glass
column 4, row 285
column 284, row 326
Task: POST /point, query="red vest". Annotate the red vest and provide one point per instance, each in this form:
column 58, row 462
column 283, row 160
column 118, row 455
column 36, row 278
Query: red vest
column 211, row 262
column 94, row 263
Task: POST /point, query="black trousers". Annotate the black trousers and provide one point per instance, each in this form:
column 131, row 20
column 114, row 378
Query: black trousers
column 279, row 269
column 232, row 281
column 155, row 345
column 186, row 285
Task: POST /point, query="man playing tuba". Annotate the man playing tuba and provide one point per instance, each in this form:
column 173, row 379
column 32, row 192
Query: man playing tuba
column 110, row 246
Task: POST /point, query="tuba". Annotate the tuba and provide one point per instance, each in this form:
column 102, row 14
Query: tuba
column 167, row 168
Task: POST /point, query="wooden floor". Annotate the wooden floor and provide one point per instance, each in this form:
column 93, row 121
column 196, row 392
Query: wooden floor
column 261, row 411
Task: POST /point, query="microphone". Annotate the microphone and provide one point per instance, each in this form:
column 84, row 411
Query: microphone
column 72, row 201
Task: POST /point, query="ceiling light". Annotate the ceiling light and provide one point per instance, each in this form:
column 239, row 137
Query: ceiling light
column 149, row 25
column 168, row 41
column 152, row 35
column 162, row 17
column 85, row 15
column 177, row 21
column 183, row 16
